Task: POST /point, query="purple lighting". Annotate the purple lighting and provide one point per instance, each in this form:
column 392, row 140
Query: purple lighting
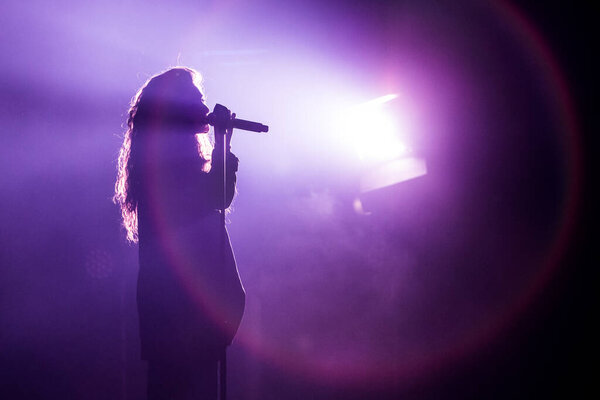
column 405, row 219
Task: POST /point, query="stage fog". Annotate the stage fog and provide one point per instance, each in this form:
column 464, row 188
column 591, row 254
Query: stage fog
column 413, row 198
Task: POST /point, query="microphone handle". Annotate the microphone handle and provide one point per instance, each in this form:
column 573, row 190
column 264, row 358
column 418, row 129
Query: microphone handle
column 249, row 125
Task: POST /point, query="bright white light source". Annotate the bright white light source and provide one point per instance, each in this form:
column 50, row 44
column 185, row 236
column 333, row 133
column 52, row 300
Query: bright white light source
column 374, row 132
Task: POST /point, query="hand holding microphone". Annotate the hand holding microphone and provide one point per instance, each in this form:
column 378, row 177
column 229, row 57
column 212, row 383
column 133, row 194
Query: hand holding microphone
column 221, row 119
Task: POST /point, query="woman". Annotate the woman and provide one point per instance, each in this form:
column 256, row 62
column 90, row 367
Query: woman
column 169, row 187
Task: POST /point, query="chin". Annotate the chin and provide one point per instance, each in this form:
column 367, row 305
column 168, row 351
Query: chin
column 203, row 129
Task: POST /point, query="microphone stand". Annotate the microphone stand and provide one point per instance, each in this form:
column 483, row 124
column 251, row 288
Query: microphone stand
column 224, row 122
column 223, row 362
column 225, row 128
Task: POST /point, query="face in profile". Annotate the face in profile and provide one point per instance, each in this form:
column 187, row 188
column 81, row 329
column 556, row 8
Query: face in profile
column 173, row 101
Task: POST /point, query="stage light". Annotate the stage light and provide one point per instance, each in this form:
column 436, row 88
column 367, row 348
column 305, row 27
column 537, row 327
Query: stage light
column 378, row 133
column 374, row 131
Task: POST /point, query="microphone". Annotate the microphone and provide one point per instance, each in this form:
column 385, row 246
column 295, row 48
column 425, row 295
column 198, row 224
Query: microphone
column 218, row 117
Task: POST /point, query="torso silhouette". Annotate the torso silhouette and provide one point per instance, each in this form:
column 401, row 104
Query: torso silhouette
column 190, row 298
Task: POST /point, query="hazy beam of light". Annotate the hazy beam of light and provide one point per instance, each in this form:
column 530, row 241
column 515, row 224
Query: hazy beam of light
column 233, row 52
column 393, row 172
column 379, row 100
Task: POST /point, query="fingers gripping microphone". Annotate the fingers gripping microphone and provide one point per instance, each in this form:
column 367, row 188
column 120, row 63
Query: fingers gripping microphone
column 222, row 116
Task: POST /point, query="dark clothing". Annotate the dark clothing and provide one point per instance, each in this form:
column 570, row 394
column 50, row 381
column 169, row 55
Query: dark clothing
column 183, row 380
column 190, row 298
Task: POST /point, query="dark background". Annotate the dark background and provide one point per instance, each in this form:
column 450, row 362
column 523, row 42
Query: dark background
column 554, row 352
column 549, row 354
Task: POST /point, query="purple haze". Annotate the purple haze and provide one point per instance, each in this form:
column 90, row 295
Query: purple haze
column 337, row 302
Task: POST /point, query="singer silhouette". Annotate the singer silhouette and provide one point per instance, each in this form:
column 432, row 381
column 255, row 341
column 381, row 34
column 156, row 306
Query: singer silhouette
column 169, row 188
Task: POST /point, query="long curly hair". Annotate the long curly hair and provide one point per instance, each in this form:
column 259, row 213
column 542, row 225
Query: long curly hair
column 162, row 102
